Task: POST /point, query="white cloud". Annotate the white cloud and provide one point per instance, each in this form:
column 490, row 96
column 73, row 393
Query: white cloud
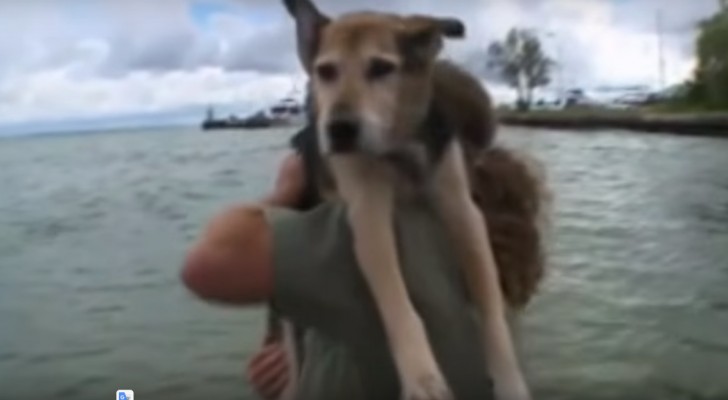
column 88, row 57
column 57, row 94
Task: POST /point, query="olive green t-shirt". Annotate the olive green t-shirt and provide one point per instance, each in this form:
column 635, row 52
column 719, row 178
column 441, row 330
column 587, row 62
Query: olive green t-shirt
column 319, row 287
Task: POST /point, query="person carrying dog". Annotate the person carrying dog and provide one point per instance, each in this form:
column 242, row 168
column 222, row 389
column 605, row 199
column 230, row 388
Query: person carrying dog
column 302, row 262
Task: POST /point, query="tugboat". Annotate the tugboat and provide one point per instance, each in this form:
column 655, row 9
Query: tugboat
column 284, row 113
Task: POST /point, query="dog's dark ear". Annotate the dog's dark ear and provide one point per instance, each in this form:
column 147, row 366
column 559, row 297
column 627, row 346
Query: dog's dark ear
column 451, row 27
column 309, row 24
column 422, row 37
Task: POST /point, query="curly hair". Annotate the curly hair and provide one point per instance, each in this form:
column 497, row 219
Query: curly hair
column 513, row 199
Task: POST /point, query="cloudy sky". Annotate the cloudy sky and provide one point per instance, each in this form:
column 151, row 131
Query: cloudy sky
column 75, row 59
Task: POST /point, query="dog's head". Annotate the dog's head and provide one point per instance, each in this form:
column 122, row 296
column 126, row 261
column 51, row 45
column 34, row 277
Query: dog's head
column 370, row 74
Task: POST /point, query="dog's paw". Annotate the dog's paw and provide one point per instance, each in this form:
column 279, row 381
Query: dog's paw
column 427, row 386
column 515, row 390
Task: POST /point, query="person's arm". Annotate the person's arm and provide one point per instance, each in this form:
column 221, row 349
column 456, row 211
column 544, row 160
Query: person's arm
column 232, row 261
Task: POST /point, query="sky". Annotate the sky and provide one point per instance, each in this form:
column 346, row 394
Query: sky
column 70, row 62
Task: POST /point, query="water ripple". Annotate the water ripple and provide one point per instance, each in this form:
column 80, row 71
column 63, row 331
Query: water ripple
column 110, row 309
column 72, row 355
column 93, row 229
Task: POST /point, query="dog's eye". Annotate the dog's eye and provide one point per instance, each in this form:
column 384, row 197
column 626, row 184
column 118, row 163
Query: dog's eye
column 379, row 68
column 327, row 72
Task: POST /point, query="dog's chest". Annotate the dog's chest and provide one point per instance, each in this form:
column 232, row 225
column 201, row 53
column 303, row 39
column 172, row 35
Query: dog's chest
column 412, row 171
column 409, row 173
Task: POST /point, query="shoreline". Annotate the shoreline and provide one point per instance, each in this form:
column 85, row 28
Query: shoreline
column 689, row 124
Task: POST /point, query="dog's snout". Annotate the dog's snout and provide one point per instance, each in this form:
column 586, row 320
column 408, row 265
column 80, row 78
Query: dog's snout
column 343, row 134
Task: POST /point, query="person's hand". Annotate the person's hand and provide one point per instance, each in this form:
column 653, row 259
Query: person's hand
column 268, row 371
column 290, row 182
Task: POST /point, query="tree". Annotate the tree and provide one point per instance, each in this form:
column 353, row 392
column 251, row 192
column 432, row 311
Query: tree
column 521, row 62
column 712, row 48
column 709, row 85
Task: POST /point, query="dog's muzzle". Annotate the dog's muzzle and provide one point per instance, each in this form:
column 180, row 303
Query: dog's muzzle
column 343, row 135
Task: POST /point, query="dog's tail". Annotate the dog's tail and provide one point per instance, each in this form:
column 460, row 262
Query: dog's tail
column 510, row 191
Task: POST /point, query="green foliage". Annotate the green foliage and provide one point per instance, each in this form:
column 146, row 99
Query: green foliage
column 709, row 86
column 521, row 62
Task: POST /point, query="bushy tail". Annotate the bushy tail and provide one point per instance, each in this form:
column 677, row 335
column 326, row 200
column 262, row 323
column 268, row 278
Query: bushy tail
column 511, row 193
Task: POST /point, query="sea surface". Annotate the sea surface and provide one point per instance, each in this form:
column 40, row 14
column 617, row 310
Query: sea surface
column 93, row 229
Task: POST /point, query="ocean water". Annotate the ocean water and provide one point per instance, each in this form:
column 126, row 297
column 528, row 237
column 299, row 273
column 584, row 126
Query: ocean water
column 93, row 229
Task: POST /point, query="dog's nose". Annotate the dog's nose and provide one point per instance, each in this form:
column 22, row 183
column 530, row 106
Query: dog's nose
column 343, row 134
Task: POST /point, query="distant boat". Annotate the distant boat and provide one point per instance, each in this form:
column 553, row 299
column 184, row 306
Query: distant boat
column 287, row 112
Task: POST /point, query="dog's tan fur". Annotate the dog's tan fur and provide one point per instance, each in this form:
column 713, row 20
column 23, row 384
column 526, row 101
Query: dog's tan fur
column 391, row 110
column 390, row 106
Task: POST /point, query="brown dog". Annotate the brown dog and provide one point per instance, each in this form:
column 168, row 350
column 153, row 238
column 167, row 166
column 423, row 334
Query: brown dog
column 393, row 121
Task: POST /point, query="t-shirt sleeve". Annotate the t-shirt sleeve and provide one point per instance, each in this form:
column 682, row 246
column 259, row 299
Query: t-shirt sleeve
column 317, row 282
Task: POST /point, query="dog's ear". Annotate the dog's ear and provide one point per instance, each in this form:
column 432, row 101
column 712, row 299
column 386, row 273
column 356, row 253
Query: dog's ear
column 421, row 38
column 451, row 27
column 309, row 24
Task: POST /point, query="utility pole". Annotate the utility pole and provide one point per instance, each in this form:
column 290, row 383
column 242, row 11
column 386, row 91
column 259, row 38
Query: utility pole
column 660, row 51
column 559, row 63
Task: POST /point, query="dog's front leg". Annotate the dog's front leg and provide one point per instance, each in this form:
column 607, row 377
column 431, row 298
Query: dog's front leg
column 368, row 190
column 466, row 225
